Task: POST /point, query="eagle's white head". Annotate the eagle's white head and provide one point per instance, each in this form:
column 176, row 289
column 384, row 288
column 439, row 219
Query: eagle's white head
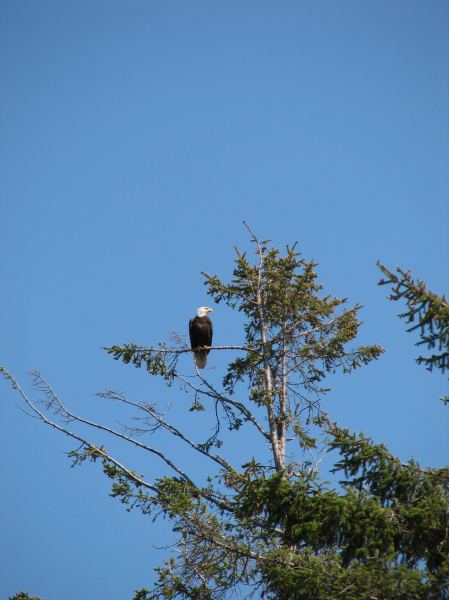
column 202, row 311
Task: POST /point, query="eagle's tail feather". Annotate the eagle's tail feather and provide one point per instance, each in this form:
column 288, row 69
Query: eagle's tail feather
column 200, row 358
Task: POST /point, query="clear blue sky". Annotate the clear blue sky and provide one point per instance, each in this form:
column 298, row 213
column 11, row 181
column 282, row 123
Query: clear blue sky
column 135, row 137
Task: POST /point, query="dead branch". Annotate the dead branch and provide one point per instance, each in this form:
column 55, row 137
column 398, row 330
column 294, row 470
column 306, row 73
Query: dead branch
column 238, row 405
column 137, row 480
column 147, row 408
column 60, row 407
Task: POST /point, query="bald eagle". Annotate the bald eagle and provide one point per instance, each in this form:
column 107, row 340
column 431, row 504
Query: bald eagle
column 200, row 330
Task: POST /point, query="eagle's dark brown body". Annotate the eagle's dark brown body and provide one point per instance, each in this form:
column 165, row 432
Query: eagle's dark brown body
column 200, row 330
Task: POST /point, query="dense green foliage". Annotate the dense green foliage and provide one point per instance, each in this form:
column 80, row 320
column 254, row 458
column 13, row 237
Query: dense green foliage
column 383, row 535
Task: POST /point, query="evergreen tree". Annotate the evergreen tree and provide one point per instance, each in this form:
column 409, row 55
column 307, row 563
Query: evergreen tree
column 269, row 524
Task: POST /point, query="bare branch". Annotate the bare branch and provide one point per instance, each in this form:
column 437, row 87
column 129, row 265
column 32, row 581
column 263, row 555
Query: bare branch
column 147, row 408
column 238, row 405
column 137, row 480
column 61, row 407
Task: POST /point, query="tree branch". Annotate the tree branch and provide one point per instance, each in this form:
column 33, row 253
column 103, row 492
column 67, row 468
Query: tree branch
column 43, row 385
column 137, row 480
column 238, row 405
column 147, row 408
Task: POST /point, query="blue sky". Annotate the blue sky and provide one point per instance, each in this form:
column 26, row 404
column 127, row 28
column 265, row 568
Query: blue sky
column 136, row 136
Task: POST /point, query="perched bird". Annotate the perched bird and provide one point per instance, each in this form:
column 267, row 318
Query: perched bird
column 200, row 330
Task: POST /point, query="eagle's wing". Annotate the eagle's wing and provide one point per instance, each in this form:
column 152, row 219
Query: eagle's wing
column 190, row 332
column 211, row 333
